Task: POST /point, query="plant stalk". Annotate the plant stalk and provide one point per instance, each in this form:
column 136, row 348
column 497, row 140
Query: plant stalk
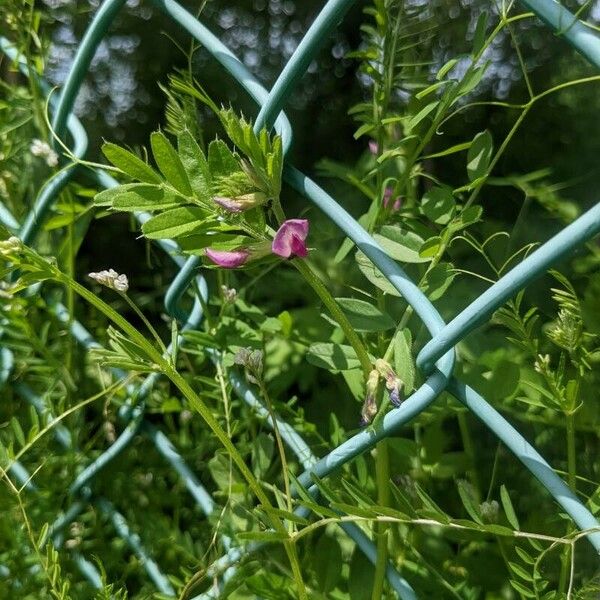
column 337, row 313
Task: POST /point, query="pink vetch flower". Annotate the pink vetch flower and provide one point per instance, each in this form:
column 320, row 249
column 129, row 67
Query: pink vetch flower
column 290, row 239
column 373, row 147
column 228, row 259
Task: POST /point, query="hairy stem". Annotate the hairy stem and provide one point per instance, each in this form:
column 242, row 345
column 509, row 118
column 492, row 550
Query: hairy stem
column 337, row 313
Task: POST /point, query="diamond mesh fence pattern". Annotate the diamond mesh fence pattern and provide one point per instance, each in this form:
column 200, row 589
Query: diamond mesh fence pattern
column 436, row 359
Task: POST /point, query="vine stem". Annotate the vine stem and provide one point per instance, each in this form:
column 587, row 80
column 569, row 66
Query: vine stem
column 382, row 476
column 145, row 321
column 336, row 312
column 572, row 479
column 280, row 447
column 195, row 401
column 571, row 456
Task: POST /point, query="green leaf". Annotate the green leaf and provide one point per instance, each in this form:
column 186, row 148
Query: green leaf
column 403, row 360
column 362, row 575
column 372, row 273
column 17, row 430
column 139, row 197
column 130, row 164
column 333, row 357
column 430, row 89
column 499, row 530
column 221, row 160
column 348, row 244
column 479, row 35
column 468, row 502
column 365, row 128
column 430, row 247
column 479, row 155
column 355, row 381
column 262, row 454
column 169, row 163
column 468, row 216
column 327, row 563
column 470, row 81
column 195, row 165
column 263, row 536
column 509, row 511
column 401, row 244
column 284, row 514
column 422, row 114
column 363, row 316
column 438, row 280
column 524, row 556
column 519, row 571
column 438, row 205
column 446, row 68
column 195, row 243
column 522, row 589
column 451, row 150
column 175, row 222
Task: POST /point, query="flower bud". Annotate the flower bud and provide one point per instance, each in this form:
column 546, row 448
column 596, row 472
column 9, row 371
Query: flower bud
column 10, row 246
column 111, row 279
column 238, row 204
column 489, row 511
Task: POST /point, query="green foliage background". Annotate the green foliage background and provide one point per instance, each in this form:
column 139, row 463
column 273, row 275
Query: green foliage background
column 445, row 465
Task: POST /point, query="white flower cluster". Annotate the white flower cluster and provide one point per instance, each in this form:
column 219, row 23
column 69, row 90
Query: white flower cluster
column 10, row 246
column 43, row 150
column 111, row 279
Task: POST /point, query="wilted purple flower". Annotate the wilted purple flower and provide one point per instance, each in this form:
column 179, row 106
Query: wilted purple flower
column 392, row 382
column 228, row 259
column 373, row 147
column 395, row 396
column 290, row 239
column 238, row 204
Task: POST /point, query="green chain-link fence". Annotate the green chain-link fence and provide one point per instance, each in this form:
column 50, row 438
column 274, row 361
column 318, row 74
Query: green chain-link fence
column 436, row 359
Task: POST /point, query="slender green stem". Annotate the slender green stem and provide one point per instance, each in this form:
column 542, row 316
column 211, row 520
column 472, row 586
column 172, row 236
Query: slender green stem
column 337, row 313
column 382, row 475
column 499, row 153
column 565, row 558
column 147, row 323
column 280, row 447
column 469, row 448
column 571, row 456
column 196, row 402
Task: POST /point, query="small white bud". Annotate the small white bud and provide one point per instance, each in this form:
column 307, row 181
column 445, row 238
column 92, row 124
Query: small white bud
column 43, row 150
column 112, row 280
column 11, row 245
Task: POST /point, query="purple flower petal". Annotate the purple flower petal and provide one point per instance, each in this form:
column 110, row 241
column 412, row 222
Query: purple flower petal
column 373, row 147
column 290, row 239
column 228, row 204
column 228, row 259
column 395, row 397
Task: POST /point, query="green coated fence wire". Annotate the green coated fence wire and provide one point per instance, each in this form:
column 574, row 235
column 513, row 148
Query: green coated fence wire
column 436, row 359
